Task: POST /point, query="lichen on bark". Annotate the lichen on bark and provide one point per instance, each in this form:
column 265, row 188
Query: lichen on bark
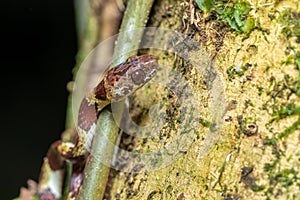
column 257, row 154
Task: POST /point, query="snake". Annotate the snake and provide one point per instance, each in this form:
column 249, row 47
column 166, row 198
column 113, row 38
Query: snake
column 117, row 83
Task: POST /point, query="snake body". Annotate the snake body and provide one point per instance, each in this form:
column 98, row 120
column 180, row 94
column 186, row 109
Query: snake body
column 117, row 83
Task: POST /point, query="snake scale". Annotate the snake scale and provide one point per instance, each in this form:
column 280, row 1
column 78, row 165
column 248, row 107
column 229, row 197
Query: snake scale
column 116, row 84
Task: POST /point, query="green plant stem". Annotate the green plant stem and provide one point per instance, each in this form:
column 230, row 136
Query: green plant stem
column 86, row 37
column 136, row 16
column 96, row 174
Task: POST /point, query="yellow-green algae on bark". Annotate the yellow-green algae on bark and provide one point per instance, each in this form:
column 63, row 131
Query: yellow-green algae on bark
column 257, row 155
column 267, row 94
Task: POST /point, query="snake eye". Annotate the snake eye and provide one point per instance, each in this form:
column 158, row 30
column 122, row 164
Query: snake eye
column 138, row 77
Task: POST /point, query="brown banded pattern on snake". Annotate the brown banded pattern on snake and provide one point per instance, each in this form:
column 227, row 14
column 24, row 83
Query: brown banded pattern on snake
column 117, row 83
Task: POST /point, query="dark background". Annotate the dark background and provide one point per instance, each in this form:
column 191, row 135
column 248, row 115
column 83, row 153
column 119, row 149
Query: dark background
column 38, row 48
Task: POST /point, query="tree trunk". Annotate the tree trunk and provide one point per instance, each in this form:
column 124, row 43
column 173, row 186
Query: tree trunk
column 253, row 153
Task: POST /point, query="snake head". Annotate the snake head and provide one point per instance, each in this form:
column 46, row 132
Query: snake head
column 142, row 69
column 127, row 77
